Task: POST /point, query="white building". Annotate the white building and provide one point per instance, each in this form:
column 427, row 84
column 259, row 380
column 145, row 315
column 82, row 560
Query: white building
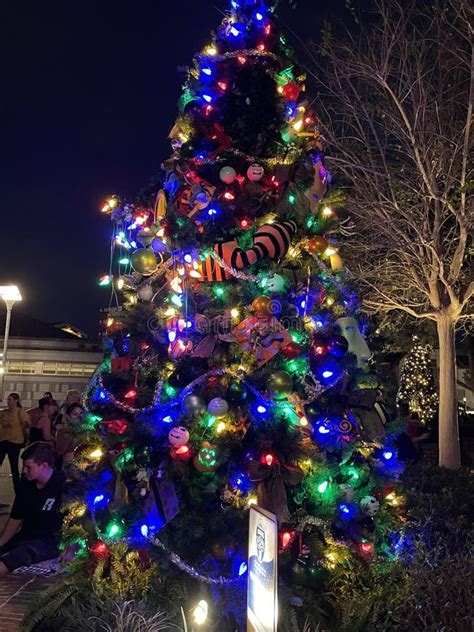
column 43, row 357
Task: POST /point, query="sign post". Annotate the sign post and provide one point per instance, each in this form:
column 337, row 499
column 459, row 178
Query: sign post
column 262, row 593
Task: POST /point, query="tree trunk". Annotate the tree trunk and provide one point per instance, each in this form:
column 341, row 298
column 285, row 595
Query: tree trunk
column 449, row 451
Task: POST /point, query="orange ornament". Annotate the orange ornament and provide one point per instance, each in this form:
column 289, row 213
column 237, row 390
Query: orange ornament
column 261, row 305
column 317, row 245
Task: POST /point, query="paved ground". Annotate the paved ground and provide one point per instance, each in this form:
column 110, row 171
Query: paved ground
column 16, row 591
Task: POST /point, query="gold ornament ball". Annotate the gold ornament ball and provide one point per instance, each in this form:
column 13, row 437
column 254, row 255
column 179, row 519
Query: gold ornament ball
column 144, row 261
column 262, row 306
column 280, row 384
column 317, row 245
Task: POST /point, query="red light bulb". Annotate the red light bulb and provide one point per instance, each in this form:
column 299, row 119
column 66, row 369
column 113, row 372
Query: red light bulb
column 285, row 539
column 130, row 394
column 100, row 549
column 268, row 459
column 366, row 548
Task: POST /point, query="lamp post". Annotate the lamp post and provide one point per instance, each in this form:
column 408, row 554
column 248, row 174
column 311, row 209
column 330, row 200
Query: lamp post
column 10, row 294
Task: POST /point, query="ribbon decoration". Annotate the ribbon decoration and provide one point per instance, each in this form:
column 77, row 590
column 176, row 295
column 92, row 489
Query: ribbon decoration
column 272, row 481
column 263, row 337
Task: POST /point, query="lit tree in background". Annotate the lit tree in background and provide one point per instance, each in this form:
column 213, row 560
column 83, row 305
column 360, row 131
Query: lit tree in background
column 236, row 372
column 417, row 386
column 396, row 106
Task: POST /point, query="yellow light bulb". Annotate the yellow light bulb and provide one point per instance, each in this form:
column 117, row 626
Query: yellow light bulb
column 327, row 211
column 298, row 125
column 211, row 50
column 330, row 250
column 96, row 454
column 234, row 313
column 220, row 427
column 252, row 500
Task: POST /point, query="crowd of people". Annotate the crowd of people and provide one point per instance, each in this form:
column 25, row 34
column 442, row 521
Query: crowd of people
column 31, row 533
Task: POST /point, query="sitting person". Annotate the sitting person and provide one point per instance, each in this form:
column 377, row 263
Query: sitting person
column 65, row 443
column 409, row 440
column 417, row 432
column 41, row 430
column 31, row 534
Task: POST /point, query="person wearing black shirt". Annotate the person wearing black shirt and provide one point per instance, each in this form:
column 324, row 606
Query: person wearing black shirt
column 31, row 533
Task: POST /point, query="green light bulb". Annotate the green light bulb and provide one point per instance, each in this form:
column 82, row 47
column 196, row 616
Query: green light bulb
column 322, row 487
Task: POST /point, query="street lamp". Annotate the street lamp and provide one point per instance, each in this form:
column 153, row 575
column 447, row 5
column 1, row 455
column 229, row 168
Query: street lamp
column 10, row 294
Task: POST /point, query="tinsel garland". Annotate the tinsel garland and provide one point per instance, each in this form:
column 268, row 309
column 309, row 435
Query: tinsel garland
column 244, row 52
column 293, row 153
column 235, row 273
column 190, row 570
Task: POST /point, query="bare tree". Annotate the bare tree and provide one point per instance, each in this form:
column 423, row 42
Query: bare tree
column 396, row 110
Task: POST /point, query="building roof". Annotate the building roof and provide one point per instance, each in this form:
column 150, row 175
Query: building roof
column 24, row 326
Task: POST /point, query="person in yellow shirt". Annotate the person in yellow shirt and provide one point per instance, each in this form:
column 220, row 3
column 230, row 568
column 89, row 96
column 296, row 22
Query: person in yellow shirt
column 14, row 422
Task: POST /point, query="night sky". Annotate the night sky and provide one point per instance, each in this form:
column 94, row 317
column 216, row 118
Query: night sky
column 89, row 96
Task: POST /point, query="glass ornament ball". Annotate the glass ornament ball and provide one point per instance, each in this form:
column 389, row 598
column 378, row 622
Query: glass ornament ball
column 144, row 261
column 218, row 407
column 227, row 174
column 194, row 405
column 255, row 172
column 317, row 245
column 291, row 91
column 280, row 384
column 178, row 436
column 262, row 306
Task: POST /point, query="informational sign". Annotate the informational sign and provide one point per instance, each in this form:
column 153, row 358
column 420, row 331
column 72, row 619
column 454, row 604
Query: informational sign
column 262, row 597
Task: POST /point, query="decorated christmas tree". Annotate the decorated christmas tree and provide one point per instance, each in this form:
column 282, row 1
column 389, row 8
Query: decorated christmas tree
column 235, row 370
column 417, row 387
